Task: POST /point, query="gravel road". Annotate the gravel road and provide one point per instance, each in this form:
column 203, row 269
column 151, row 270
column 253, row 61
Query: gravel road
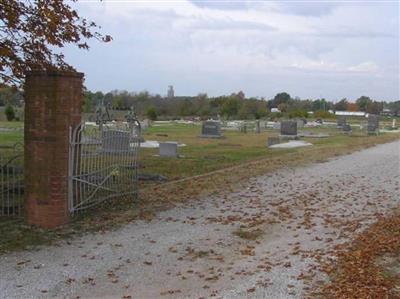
column 191, row 251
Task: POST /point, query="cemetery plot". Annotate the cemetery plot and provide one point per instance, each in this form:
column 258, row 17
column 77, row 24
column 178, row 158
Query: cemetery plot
column 202, row 155
column 199, row 156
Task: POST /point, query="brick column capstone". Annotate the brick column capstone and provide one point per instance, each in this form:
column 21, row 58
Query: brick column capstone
column 53, row 103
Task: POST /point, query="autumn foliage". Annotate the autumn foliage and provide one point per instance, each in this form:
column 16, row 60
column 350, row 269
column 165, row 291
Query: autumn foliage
column 357, row 274
column 31, row 30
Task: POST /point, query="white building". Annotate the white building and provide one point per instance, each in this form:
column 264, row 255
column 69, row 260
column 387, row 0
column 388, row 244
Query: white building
column 350, row 113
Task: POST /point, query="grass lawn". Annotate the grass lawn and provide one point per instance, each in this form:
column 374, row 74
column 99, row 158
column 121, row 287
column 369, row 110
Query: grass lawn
column 206, row 166
column 203, row 155
column 11, row 132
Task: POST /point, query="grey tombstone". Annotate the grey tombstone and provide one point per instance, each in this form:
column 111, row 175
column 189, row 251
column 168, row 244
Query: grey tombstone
column 145, row 124
column 300, row 123
column 341, row 120
column 277, row 125
column 263, row 124
column 272, row 141
column 258, row 127
column 243, row 128
column 373, row 124
column 168, row 149
column 115, row 141
column 211, row 129
column 289, row 128
column 346, row 128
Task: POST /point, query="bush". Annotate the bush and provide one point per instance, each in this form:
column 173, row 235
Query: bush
column 323, row 114
column 10, row 113
column 151, row 113
column 298, row 114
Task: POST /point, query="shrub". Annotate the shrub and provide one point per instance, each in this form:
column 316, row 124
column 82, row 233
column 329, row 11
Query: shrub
column 298, row 114
column 323, row 114
column 151, row 113
column 10, row 113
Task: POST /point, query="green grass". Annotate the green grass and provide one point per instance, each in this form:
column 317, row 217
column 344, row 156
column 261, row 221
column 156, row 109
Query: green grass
column 12, row 136
column 205, row 155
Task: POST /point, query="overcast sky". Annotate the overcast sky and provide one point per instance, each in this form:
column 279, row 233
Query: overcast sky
column 308, row 49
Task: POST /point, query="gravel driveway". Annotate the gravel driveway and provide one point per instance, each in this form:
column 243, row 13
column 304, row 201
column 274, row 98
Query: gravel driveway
column 192, row 252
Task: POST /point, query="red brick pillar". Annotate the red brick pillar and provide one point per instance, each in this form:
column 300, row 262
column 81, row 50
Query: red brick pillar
column 53, row 103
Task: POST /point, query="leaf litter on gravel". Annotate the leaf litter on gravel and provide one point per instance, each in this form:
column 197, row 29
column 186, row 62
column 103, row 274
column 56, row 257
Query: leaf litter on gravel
column 355, row 273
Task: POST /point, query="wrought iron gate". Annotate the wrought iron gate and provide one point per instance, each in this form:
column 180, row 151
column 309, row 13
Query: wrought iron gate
column 103, row 162
column 12, row 180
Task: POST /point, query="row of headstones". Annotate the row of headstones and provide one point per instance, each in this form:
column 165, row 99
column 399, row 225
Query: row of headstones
column 212, row 129
column 372, row 125
column 118, row 141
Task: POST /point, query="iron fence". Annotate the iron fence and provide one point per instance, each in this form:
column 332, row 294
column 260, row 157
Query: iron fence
column 11, row 180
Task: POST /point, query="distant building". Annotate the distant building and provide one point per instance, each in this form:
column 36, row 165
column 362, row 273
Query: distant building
column 275, row 110
column 170, row 93
column 387, row 112
column 350, row 113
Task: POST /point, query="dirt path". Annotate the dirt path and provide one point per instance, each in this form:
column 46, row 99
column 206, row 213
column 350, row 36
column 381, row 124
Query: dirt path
column 191, row 251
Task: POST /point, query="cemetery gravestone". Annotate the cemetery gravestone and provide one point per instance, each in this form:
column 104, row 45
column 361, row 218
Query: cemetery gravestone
column 277, row 126
column 300, row 123
column 289, row 128
column 346, row 128
column 341, row 120
column 373, row 124
column 258, row 128
column 211, row 129
column 243, row 128
column 145, row 124
column 168, row 149
column 115, row 141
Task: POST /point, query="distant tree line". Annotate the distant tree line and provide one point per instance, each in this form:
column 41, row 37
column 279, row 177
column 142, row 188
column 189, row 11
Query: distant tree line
column 234, row 106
